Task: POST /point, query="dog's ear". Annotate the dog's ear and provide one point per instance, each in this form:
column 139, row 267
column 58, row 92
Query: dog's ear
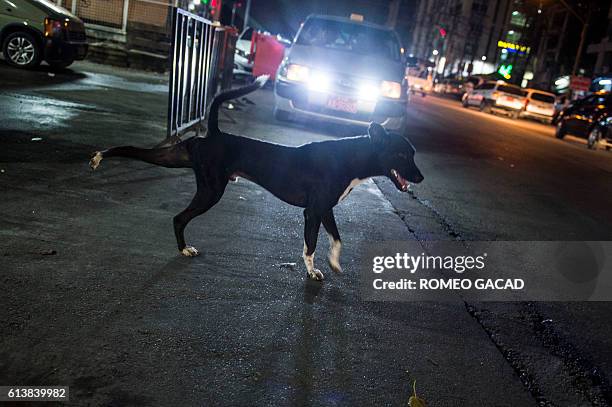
column 377, row 133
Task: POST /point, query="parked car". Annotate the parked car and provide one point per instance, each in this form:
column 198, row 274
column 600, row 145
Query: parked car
column 452, row 87
column 345, row 71
column 498, row 96
column 589, row 118
column 419, row 78
column 539, row 105
column 243, row 63
column 35, row 30
column 471, row 82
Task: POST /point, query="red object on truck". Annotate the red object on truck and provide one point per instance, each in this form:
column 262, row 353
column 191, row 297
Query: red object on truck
column 269, row 54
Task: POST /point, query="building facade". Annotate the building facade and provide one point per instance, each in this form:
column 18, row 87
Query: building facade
column 465, row 37
column 521, row 41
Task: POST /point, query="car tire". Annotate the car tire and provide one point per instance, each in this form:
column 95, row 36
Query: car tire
column 515, row 115
column 58, row 65
column 560, row 130
column 485, row 107
column 593, row 138
column 464, row 103
column 21, row 49
column 281, row 115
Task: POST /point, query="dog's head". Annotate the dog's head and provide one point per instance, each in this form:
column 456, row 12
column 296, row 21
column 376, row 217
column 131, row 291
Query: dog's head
column 395, row 156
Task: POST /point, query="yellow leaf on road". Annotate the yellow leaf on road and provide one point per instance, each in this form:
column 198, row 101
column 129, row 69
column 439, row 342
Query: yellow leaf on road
column 414, row 400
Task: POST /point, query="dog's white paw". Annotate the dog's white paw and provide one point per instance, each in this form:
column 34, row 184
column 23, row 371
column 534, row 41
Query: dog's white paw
column 95, row 160
column 334, row 265
column 315, row 274
column 190, row 251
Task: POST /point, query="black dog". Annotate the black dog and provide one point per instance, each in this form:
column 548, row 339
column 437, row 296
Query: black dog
column 314, row 176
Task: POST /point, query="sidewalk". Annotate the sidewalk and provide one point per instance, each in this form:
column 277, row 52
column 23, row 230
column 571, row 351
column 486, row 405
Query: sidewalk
column 118, row 315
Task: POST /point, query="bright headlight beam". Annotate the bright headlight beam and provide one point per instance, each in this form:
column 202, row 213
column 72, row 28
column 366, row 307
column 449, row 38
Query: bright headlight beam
column 319, row 82
column 297, row 73
column 369, row 91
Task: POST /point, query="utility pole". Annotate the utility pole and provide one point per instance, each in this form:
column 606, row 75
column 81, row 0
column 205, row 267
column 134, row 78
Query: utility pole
column 393, row 12
column 585, row 27
column 247, row 11
column 583, row 33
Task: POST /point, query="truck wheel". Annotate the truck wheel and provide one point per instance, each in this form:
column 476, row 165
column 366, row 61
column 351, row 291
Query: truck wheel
column 21, row 49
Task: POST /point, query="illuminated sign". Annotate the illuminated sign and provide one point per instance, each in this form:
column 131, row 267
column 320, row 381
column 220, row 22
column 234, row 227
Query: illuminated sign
column 511, row 47
column 505, row 71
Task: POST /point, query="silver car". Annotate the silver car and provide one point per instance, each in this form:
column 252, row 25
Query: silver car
column 343, row 70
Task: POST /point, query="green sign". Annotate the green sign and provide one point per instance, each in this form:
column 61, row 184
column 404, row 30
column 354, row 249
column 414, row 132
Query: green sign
column 505, row 71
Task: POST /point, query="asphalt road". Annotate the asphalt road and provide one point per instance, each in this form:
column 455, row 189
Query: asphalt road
column 96, row 296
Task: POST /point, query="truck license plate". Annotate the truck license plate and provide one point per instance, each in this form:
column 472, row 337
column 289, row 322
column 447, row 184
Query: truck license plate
column 343, row 104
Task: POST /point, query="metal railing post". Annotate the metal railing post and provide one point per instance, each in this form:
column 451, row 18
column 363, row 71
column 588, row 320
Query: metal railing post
column 195, row 54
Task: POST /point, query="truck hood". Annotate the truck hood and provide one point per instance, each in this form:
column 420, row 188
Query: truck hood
column 346, row 62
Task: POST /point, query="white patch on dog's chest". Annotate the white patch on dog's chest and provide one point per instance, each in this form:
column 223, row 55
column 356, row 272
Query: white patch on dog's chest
column 350, row 187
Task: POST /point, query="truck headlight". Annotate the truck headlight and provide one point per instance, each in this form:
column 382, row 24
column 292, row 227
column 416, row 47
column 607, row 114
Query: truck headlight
column 318, row 81
column 391, row 90
column 297, row 73
column 369, row 91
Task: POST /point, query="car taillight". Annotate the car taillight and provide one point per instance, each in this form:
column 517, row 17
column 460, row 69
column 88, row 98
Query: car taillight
column 526, row 102
column 495, row 95
column 53, row 28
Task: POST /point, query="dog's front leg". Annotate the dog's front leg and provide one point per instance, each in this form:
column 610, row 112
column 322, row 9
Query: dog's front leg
column 312, row 222
column 335, row 244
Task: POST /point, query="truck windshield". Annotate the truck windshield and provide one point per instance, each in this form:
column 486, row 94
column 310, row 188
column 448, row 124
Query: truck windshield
column 351, row 37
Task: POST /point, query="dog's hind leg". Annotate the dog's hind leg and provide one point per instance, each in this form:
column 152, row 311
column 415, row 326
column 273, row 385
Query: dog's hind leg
column 176, row 156
column 312, row 222
column 204, row 199
column 335, row 244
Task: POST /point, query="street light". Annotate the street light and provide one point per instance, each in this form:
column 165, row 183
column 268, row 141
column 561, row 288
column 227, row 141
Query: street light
column 435, row 52
column 484, row 58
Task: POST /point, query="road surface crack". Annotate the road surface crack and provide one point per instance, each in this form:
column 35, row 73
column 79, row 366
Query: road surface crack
column 585, row 380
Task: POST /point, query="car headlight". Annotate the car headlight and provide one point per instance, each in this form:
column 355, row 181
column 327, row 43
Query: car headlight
column 298, row 73
column 391, row 90
column 241, row 53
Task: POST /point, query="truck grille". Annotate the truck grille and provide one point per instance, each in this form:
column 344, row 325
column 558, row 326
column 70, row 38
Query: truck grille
column 359, row 116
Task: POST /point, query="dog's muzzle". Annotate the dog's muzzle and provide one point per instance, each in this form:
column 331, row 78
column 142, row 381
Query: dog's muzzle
column 401, row 181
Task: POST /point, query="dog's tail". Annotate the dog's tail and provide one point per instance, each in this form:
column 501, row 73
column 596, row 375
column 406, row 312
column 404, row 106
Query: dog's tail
column 176, row 156
column 213, row 113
